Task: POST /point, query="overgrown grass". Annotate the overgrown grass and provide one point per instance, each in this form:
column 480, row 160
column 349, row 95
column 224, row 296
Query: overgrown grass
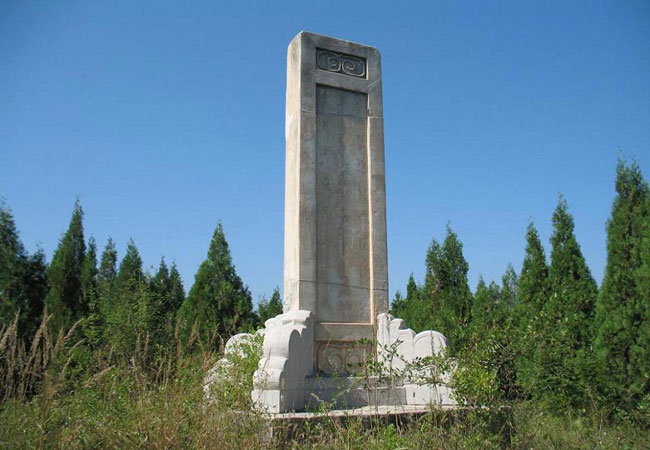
column 58, row 393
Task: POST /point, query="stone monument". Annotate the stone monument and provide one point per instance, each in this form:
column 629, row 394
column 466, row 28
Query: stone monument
column 335, row 253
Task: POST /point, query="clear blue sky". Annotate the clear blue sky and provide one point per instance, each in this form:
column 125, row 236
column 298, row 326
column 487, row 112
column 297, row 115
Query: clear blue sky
column 166, row 117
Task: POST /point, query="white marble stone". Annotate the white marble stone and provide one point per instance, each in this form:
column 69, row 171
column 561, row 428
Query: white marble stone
column 335, row 203
column 420, row 357
column 335, row 260
column 235, row 349
column 279, row 382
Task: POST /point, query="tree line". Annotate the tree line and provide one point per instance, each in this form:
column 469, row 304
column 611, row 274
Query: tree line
column 115, row 304
column 549, row 333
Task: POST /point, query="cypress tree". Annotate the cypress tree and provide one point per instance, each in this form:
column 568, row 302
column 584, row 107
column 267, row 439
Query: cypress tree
column 506, row 319
column 562, row 357
column 490, row 345
column 89, row 276
column 107, row 272
column 639, row 367
column 270, row 309
column 160, row 288
column 176, row 292
column 33, row 291
column 12, row 253
column 90, row 295
column 219, row 304
column 414, row 308
column 533, row 291
column 167, row 295
column 105, row 280
column 23, row 279
column 509, row 295
column 484, row 306
column 623, row 299
column 533, row 280
column 65, row 300
column 446, row 288
column 130, row 274
column 128, row 312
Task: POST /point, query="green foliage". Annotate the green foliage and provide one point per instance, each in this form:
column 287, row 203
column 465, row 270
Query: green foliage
column 107, row 269
column 128, row 310
column 543, row 360
column 23, row 279
column 563, row 336
column 167, row 293
column 415, row 308
column 488, row 376
column 622, row 313
column 91, row 325
column 272, row 308
column 65, row 299
column 233, row 382
column 484, row 307
column 446, row 289
column 533, row 286
column 89, row 276
column 219, row 304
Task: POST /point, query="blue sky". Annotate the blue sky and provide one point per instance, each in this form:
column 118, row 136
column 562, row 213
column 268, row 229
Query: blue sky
column 165, row 117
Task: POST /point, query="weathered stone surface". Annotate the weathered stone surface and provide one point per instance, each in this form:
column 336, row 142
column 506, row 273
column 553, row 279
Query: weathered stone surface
column 335, row 203
column 335, row 262
column 279, row 382
column 414, row 355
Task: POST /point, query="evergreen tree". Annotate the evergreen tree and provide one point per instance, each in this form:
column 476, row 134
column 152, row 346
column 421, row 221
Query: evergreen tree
column 105, row 281
column 414, row 309
column 639, row 367
column 533, row 281
column 562, row 356
column 128, row 313
column 176, row 292
column 12, row 253
column 23, row 280
column 89, row 276
column 160, row 287
column 484, row 306
column 509, row 295
column 106, row 274
column 130, row 274
column 623, row 295
column 533, row 292
column 446, row 288
column 506, row 320
column 92, row 325
column 33, row 291
column 272, row 308
column 219, row 304
column 65, row 299
column 490, row 345
column 167, row 294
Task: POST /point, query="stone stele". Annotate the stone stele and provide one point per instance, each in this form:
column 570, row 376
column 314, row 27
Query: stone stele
column 335, row 254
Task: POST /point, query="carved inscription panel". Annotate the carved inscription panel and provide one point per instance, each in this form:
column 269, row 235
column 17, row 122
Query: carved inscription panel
column 342, row 209
column 340, row 63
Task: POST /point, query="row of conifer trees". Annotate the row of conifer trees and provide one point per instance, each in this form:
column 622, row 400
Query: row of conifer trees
column 550, row 333
column 117, row 304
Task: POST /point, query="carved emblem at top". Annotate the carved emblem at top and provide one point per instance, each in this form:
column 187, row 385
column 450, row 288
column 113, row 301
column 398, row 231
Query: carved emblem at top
column 341, row 63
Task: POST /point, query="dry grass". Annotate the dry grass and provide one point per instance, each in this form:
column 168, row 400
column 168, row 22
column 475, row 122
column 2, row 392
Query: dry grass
column 57, row 393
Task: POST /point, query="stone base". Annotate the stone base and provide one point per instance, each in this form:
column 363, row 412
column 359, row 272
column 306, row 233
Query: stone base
column 355, row 392
column 285, row 379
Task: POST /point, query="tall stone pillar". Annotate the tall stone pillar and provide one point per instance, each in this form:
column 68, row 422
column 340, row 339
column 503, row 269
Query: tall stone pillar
column 335, row 262
column 335, row 271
